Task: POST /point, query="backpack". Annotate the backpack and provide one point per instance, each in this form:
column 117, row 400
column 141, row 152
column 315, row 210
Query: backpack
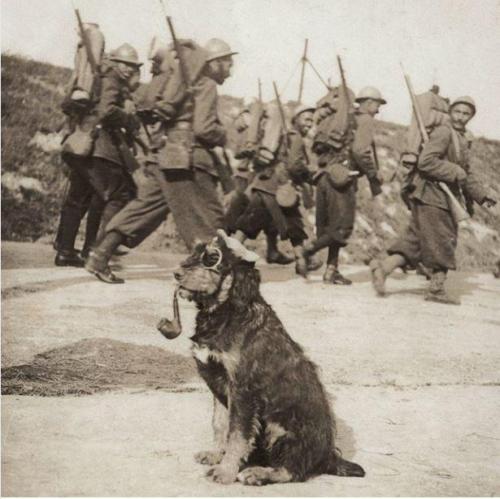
column 83, row 88
column 335, row 130
column 434, row 111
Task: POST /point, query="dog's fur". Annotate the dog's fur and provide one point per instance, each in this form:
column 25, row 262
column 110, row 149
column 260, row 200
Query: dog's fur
column 281, row 428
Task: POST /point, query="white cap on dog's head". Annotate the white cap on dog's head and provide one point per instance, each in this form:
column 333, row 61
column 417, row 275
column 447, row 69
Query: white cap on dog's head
column 237, row 248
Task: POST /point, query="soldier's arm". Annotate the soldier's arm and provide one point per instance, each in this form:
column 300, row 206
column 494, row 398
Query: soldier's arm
column 474, row 188
column 109, row 112
column 172, row 96
column 362, row 147
column 432, row 163
column 206, row 125
column 297, row 159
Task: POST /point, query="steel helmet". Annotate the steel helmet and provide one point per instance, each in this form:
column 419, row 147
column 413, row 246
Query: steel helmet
column 127, row 54
column 217, row 48
column 157, row 50
column 302, row 108
column 469, row 101
column 370, row 93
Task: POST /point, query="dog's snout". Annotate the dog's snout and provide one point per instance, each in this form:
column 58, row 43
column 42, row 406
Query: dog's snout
column 178, row 274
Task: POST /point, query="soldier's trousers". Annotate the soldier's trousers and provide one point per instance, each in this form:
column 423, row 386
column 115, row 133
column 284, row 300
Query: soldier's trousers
column 144, row 214
column 263, row 213
column 196, row 204
column 80, row 198
column 335, row 212
column 430, row 238
column 114, row 186
column 192, row 198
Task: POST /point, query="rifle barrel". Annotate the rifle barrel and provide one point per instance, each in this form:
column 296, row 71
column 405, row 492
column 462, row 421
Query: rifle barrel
column 180, row 55
column 416, row 109
column 86, row 43
column 344, row 83
column 282, row 114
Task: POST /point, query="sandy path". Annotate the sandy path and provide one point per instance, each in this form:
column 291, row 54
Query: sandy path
column 415, row 386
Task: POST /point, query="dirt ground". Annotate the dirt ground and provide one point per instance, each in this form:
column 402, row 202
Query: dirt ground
column 414, row 385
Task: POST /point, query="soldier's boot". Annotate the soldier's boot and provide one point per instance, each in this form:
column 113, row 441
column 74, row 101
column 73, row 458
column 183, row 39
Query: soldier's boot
column 381, row 269
column 303, row 255
column 66, row 255
column 98, row 260
column 436, row 291
column 333, row 276
column 274, row 255
column 68, row 258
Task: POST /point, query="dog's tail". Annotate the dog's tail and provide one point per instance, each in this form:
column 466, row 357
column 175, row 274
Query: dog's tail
column 341, row 467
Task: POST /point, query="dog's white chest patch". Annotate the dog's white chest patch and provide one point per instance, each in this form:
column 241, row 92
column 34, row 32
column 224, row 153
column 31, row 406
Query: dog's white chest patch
column 228, row 359
column 202, row 353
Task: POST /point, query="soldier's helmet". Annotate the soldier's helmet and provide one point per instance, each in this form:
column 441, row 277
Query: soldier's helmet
column 217, row 48
column 370, row 93
column 127, row 54
column 469, row 101
column 302, row 108
column 157, row 50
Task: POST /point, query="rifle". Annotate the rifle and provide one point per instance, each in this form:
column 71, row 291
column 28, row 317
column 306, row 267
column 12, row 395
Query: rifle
column 344, row 83
column 348, row 118
column 256, row 110
column 86, row 44
column 457, row 210
column 348, row 108
column 178, row 49
column 283, row 118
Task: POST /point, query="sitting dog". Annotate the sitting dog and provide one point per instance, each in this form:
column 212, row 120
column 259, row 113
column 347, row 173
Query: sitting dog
column 280, row 426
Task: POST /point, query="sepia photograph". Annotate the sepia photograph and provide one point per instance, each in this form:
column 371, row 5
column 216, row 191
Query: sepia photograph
column 250, row 248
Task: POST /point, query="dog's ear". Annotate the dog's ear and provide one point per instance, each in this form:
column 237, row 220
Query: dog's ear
column 245, row 288
column 236, row 248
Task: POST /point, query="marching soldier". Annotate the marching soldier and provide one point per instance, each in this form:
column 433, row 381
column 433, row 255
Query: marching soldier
column 341, row 162
column 281, row 165
column 99, row 182
column 109, row 170
column 145, row 213
column 181, row 165
column 250, row 129
column 431, row 237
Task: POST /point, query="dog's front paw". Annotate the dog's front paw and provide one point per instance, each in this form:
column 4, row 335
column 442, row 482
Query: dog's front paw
column 210, row 457
column 223, row 474
column 254, row 475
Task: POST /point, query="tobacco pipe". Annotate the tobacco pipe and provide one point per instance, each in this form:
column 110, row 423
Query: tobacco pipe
column 171, row 328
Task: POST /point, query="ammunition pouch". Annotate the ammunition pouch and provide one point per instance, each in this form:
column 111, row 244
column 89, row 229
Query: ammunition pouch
column 176, row 154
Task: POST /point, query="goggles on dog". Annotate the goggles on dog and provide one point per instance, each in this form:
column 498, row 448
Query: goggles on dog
column 211, row 258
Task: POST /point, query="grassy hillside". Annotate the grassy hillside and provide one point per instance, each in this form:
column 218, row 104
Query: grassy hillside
column 32, row 173
column 33, row 176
